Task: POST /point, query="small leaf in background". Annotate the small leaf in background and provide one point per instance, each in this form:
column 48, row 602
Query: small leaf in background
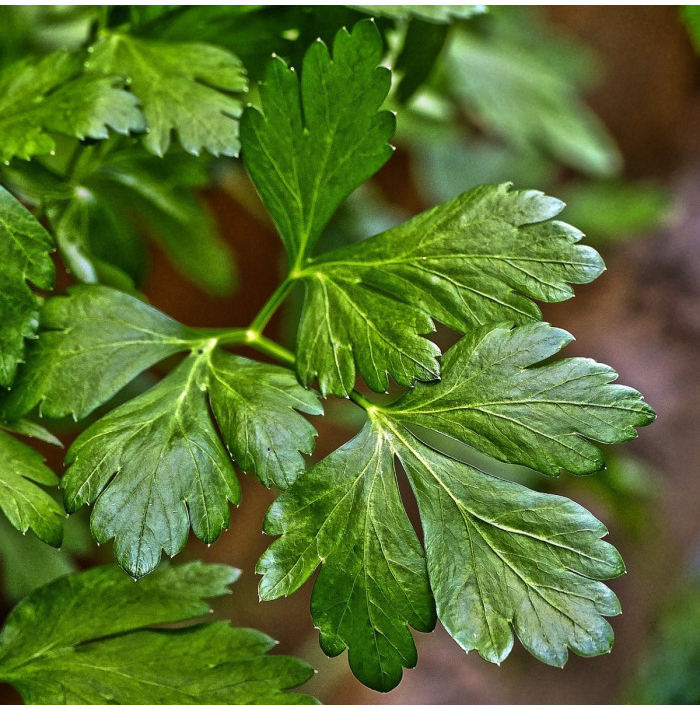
column 320, row 137
column 516, row 90
column 24, row 255
column 184, row 87
column 88, row 639
column 432, row 13
column 24, row 503
column 53, row 95
column 612, row 211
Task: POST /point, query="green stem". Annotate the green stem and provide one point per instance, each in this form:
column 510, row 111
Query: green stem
column 361, row 400
column 271, row 348
column 268, row 310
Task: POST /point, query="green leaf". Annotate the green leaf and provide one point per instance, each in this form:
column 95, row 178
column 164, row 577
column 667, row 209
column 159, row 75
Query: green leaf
column 317, row 140
column 511, row 89
column 690, row 14
column 476, row 259
column 53, row 95
column 500, row 558
column 504, row 559
column 182, row 86
column 93, row 342
column 159, row 192
column 254, row 406
column 86, row 639
column 346, row 512
column 432, row 13
column 24, row 254
column 154, row 465
column 495, row 396
column 22, row 501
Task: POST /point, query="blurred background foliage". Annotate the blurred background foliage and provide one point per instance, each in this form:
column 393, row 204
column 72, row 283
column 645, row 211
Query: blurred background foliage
column 483, row 94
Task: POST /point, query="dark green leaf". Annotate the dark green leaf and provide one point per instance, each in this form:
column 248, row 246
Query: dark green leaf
column 346, row 513
column 500, row 558
column 184, row 87
column 504, row 559
column 494, row 397
column 476, row 259
column 93, row 342
column 52, row 95
column 84, row 639
column 254, row 406
column 22, row 501
column 24, row 256
column 317, row 140
column 159, row 192
column 154, row 465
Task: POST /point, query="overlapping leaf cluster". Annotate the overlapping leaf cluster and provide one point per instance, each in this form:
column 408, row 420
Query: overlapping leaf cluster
column 495, row 560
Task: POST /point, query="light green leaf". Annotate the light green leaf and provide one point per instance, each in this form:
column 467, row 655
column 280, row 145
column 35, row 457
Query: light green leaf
column 22, row 501
column 24, row 256
column 254, row 405
column 154, row 465
column 504, row 559
column 346, row 513
column 432, row 13
column 511, row 89
column 25, row 427
column 93, row 342
column 318, row 139
column 476, row 259
column 500, row 558
column 53, row 95
column 495, row 396
column 182, row 86
column 85, row 639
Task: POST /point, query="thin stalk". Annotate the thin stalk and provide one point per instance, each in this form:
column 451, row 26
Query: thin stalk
column 269, row 309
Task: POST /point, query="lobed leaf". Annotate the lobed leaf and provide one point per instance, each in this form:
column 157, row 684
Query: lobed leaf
column 93, row 343
column 254, row 407
column 149, row 463
column 22, row 501
column 24, row 254
column 493, row 397
column 54, row 95
column 320, row 137
column 157, row 464
column 181, row 86
column 346, row 513
column 87, row 639
column 498, row 558
column 479, row 258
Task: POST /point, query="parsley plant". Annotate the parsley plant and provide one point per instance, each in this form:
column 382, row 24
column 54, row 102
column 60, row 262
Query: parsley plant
column 108, row 124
